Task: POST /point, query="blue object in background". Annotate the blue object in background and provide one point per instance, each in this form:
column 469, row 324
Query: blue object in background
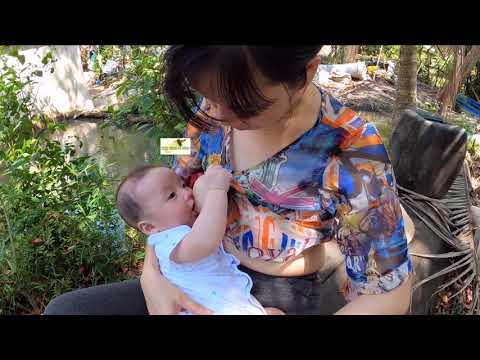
column 468, row 105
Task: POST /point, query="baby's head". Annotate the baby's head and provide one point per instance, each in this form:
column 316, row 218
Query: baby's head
column 153, row 199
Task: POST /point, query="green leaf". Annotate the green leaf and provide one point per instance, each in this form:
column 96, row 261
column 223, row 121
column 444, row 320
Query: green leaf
column 180, row 127
column 121, row 89
column 13, row 51
column 48, row 56
column 21, row 58
column 38, row 73
column 144, row 126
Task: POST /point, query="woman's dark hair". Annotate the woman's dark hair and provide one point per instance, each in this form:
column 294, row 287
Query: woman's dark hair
column 234, row 66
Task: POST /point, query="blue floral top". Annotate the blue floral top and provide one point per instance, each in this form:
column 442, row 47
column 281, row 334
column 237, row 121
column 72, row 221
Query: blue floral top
column 333, row 183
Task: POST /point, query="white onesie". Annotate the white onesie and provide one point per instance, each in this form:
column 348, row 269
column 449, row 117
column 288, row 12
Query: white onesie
column 214, row 281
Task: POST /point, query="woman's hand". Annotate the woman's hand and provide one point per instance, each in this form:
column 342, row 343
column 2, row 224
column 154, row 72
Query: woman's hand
column 161, row 296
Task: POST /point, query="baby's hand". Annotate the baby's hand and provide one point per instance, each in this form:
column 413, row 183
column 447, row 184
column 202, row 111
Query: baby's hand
column 218, row 178
column 214, row 178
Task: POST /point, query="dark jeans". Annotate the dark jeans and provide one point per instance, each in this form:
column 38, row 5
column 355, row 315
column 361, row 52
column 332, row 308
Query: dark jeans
column 317, row 293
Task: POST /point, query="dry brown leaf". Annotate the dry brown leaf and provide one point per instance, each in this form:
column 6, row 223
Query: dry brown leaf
column 82, row 270
column 37, row 241
column 53, row 216
column 36, row 311
column 469, row 295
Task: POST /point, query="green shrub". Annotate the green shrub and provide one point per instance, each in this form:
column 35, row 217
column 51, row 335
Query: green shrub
column 145, row 102
column 142, row 88
column 59, row 229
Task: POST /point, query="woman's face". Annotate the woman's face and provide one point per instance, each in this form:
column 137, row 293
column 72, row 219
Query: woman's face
column 272, row 117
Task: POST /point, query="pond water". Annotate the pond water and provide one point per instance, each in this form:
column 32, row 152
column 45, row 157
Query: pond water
column 121, row 150
column 116, row 150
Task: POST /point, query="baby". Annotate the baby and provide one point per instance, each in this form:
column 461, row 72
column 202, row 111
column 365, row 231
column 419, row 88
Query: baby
column 186, row 232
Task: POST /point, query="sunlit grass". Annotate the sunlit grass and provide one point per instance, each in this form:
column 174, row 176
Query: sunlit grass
column 382, row 123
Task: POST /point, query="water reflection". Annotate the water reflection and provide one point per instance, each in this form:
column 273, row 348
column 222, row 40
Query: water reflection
column 117, row 150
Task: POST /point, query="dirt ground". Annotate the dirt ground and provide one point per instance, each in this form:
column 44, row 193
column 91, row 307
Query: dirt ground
column 379, row 96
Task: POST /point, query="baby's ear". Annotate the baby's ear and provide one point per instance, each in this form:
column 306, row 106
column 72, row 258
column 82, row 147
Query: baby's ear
column 145, row 227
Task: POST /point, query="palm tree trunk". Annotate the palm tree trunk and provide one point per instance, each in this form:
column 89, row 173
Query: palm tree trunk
column 407, row 81
column 429, row 65
column 348, row 54
column 351, row 52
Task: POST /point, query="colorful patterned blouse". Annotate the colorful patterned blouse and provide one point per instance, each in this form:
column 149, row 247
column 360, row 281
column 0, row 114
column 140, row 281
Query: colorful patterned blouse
column 335, row 182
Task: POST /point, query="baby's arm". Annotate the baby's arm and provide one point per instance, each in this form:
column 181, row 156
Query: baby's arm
column 209, row 228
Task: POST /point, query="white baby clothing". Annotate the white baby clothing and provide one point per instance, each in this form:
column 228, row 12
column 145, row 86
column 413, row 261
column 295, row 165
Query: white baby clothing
column 214, row 281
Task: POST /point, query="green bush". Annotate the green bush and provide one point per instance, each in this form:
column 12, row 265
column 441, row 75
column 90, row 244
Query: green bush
column 59, row 229
column 142, row 88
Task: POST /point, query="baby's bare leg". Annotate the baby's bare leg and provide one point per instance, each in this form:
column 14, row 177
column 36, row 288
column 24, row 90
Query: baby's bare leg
column 274, row 311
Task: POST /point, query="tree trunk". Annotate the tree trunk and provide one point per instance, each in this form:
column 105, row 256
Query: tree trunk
column 470, row 61
column 429, row 66
column 351, row 52
column 449, row 91
column 348, row 53
column 461, row 69
column 472, row 88
column 420, row 63
column 407, row 81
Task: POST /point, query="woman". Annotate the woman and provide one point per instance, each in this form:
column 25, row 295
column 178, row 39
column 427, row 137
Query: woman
column 307, row 170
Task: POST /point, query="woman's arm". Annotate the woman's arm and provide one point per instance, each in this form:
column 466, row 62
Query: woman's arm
column 371, row 231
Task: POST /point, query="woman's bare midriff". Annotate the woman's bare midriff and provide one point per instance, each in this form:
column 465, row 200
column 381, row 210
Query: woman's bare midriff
column 308, row 262
column 249, row 150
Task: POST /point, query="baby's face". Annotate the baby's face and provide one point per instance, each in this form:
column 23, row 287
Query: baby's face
column 166, row 200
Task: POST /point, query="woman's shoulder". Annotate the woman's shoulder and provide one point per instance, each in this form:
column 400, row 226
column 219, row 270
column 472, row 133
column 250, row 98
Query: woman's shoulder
column 336, row 115
column 335, row 124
